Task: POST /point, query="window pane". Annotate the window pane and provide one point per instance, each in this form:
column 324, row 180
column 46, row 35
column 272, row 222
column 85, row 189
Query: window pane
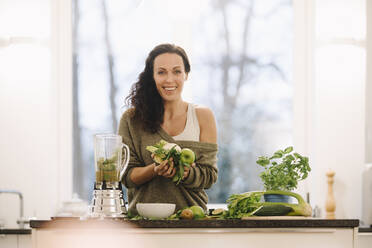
column 241, row 60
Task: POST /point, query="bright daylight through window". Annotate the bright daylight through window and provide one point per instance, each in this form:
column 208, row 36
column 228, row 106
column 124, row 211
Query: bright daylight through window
column 241, row 68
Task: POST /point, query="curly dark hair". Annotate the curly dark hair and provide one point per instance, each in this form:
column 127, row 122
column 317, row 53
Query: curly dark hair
column 144, row 97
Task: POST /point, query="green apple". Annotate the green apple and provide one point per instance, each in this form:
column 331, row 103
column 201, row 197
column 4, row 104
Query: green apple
column 187, row 156
column 197, row 211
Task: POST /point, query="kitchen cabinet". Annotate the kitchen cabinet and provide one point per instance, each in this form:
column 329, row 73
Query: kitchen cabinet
column 24, row 241
column 15, row 241
column 190, row 234
column 8, row 241
column 365, row 238
column 186, row 238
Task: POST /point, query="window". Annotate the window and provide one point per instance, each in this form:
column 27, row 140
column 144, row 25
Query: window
column 241, row 67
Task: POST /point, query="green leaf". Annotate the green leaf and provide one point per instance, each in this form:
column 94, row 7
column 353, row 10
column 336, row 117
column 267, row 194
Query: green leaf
column 288, row 149
column 171, row 151
column 175, row 178
column 289, row 158
column 162, row 143
column 263, row 161
column 151, row 149
column 278, row 154
column 181, row 170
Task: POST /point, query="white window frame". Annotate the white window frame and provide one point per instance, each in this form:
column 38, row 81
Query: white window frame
column 61, row 50
column 368, row 88
column 303, row 76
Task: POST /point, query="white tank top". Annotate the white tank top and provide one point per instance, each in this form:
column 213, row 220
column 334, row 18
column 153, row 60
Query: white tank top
column 192, row 128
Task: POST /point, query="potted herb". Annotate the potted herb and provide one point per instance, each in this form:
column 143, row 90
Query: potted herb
column 282, row 172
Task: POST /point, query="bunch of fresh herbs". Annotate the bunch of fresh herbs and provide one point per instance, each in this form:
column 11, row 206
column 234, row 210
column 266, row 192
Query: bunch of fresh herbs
column 164, row 150
column 283, row 170
column 242, row 205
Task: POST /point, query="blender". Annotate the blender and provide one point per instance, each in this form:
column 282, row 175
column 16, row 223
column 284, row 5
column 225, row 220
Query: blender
column 111, row 158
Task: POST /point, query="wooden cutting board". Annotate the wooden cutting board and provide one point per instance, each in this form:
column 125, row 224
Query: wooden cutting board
column 277, row 218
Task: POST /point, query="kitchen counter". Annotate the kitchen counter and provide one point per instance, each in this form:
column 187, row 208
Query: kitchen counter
column 255, row 232
column 365, row 229
column 212, row 223
column 15, row 231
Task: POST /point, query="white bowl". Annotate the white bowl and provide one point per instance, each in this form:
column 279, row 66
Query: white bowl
column 155, row 210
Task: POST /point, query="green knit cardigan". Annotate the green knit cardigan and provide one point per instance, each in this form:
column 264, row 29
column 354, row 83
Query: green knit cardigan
column 191, row 191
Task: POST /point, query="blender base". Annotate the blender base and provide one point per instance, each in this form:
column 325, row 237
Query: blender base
column 108, row 203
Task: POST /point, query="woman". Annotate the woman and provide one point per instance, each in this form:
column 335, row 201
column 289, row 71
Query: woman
column 158, row 112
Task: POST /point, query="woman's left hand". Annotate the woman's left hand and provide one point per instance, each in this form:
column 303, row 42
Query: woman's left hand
column 187, row 171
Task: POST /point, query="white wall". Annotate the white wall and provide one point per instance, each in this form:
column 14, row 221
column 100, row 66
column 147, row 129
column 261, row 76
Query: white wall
column 368, row 89
column 31, row 137
column 331, row 57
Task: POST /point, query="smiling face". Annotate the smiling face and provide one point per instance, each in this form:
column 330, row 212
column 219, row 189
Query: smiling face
column 169, row 76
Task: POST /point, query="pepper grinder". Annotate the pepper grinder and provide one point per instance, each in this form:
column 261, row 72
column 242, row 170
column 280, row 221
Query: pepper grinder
column 330, row 201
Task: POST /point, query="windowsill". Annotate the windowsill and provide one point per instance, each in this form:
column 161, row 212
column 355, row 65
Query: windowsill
column 217, row 205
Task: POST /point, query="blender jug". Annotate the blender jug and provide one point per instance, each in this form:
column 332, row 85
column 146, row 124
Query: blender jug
column 111, row 158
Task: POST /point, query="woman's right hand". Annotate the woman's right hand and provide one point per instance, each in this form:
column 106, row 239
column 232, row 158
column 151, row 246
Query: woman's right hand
column 165, row 169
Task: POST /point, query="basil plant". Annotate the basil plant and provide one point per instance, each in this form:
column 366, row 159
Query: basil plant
column 283, row 170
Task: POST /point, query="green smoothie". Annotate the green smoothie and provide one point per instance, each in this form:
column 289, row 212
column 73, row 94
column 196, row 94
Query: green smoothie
column 107, row 169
